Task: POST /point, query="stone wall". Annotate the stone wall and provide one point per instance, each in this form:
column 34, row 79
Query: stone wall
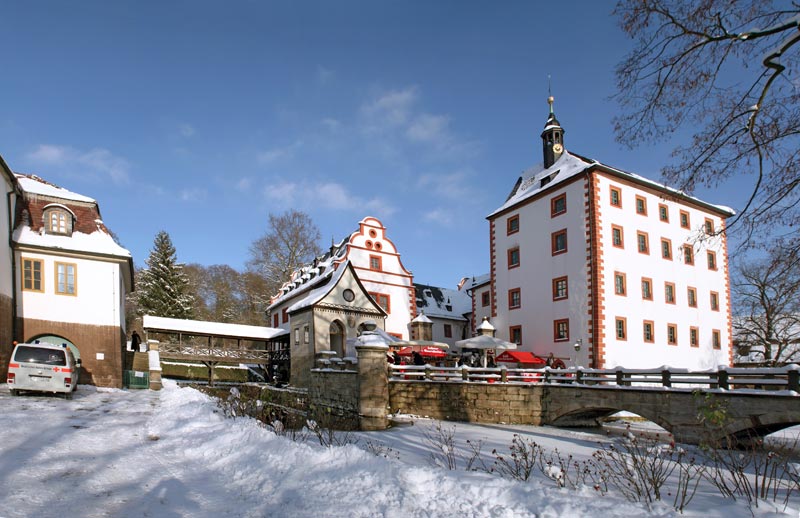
column 334, row 398
column 471, row 402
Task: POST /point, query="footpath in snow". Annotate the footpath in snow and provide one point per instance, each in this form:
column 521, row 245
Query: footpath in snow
column 114, row 453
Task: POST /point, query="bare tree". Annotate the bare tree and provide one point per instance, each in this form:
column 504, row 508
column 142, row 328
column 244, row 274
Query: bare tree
column 767, row 295
column 291, row 241
column 728, row 72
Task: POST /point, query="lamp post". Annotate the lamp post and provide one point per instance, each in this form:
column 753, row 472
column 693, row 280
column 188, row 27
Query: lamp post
column 577, row 347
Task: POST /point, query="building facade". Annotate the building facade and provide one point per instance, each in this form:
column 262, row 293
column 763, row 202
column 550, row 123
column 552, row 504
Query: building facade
column 7, row 209
column 606, row 268
column 449, row 311
column 71, row 278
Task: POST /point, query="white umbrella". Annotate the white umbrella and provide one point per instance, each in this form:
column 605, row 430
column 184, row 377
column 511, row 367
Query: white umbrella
column 485, row 342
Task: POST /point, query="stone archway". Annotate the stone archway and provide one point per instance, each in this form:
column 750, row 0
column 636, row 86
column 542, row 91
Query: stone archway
column 338, row 339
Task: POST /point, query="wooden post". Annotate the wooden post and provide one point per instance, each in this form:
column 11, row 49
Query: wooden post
column 579, row 376
column 666, row 378
column 620, row 377
column 793, row 379
column 722, row 379
column 464, row 373
column 503, row 374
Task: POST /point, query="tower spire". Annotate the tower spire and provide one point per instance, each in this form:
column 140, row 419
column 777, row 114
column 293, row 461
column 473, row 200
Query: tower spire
column 553, row 134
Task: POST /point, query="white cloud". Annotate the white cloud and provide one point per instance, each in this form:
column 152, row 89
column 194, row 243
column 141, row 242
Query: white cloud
column 389, row 110
column 278, row 153
column 97, row 161
column 190, row 195
column 439, row 216
column 429, row 128
column 244, row 184
column 187, row 130
column 331, row 124
column 324, row 75
column 454, row 186
column 328, row 195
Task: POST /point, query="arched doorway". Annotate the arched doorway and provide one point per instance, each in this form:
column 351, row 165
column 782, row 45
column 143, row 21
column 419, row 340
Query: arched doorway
column 58, row 340
column 337, row 338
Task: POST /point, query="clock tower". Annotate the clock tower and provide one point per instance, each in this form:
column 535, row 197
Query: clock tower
column 552, row 138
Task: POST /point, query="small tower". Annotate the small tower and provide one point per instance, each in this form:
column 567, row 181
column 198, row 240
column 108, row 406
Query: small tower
column 422, row 328
column 552, row 138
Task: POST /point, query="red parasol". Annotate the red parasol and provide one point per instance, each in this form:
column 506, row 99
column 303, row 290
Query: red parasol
column 427, row 351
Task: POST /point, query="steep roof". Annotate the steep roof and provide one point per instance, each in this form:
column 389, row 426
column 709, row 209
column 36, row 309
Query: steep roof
column 442, row 302
column 539, row 179
column 89, row 233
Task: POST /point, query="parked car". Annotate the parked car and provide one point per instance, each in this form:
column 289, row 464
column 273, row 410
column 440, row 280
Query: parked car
column 43, row 367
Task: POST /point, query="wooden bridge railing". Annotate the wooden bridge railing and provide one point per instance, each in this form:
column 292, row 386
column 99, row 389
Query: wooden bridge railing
column 759, row 379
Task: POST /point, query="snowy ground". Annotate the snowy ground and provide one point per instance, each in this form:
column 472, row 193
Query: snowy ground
column 113, row 453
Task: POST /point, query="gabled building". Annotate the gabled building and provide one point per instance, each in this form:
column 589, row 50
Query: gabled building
column 625, row 270
column 325, row 305
column 71, row 278
column 479, row 290
column 449, row 311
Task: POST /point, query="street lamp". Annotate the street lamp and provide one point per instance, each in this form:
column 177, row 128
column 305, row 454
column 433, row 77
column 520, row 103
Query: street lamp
column 577, row 347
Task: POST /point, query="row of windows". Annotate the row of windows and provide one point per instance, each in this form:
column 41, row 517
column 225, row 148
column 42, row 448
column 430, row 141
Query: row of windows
column 560, row 291
column 65, row 276
column 620, row 288
column 643, row 246
column 558, row 243
column 561, row 333
column 649, row 333
column 558, row 206
column 615, row 198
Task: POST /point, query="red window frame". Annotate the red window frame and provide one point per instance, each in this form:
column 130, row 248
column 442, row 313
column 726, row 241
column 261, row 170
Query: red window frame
column 510, row 254
column 554, row 201
column 512, row 228
column 556, row 282
column 554, row 239
column 557, row 324
column 376, row 263
column 511, row 293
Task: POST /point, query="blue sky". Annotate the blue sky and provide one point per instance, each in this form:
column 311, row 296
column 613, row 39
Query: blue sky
column 201, row 118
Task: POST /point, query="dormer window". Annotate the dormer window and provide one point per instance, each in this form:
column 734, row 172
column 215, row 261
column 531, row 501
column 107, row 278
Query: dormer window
column 58, row 220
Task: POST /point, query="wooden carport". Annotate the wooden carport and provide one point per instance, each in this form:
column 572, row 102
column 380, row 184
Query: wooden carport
column 212, row 343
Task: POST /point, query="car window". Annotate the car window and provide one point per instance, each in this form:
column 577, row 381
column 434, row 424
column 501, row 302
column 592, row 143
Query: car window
column 40, row 355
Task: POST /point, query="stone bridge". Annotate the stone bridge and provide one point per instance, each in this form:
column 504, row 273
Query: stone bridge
column 732, row 404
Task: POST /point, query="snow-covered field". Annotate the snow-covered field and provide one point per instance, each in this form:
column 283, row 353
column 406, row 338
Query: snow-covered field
column 115, row 453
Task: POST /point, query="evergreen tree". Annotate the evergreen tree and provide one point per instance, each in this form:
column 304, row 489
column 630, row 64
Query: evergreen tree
column 163, row 289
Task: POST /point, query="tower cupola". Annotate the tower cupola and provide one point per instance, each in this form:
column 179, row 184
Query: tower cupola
column 552, row 138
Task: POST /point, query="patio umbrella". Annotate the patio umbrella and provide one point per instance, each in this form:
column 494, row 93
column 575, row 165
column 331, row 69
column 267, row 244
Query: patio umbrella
column 484, row 342
column 428, row 351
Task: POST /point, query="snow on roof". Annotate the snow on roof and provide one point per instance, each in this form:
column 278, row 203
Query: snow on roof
column 475, row 281
column 423, row 319
column 97, row 242
column 442, row 302
column 34, row 185
column 318, row 293
column 537, row 179
column 201, row 327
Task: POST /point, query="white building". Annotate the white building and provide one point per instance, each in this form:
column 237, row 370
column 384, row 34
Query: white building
column 631, row 271
column 7, row 209
column 71, row 278
column 449, row 311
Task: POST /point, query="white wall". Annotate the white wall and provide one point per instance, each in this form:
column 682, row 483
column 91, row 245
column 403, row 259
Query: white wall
column 634, row 352
column 98, row 299
column 538, row 267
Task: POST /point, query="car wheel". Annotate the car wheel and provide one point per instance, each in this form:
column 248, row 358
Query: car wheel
column 14, row 392
column 68, row 395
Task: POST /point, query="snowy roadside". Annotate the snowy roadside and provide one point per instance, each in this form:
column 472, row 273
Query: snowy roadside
column 172, row 454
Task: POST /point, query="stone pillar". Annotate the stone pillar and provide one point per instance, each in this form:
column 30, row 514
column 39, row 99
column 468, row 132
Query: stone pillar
column 373, row 387
column 155, row 364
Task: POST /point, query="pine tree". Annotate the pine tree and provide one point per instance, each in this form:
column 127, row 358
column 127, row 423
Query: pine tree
column 163, row 289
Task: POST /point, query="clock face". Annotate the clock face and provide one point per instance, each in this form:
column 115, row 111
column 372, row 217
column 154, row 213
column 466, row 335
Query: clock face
column 558, row 148
column 348, row 295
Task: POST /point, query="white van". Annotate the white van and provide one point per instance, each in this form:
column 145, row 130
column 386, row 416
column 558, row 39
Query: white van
column 43, row 367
